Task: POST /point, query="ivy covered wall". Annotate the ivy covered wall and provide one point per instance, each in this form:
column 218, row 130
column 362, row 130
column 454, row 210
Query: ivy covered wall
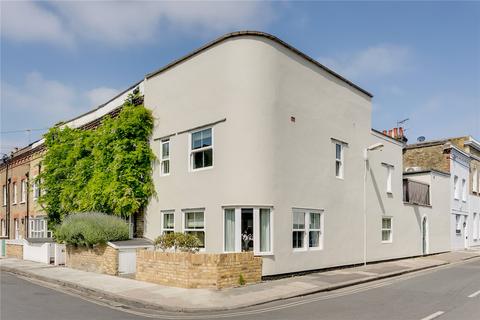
column 107, row 169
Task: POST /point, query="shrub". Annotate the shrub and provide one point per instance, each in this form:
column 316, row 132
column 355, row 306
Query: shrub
column 91, row 228
column 184, row 242
column 241, row 280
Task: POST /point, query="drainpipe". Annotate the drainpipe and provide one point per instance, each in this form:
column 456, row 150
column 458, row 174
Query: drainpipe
column 27, row 220
column 7, row 211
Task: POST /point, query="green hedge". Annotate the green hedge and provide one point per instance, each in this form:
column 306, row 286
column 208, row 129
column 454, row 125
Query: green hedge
column 91, row 228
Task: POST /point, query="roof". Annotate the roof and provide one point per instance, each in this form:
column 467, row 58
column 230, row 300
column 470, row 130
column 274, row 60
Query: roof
column 260, row 35
column 405, row 173
column 431, row 143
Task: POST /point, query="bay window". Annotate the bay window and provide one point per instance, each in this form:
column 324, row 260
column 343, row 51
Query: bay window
column 248, row 229
column 201, row 149
column 37, row 228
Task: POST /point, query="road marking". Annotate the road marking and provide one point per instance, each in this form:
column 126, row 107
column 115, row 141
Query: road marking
column 433, row 315
column 473, row 295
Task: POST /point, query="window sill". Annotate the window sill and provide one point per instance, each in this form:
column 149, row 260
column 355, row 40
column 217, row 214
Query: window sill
column 263, row 254
column 22, row 202
column 340, row 178
column 201, row 169
column 387, row 242
column 14, row 204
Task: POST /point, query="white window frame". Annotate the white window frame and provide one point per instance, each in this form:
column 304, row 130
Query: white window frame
column 191, row 151
column 185, row 230
column 14, row 188
column 256, row 229
column 306, row 240
column 475, row 226
column 464, row 190
column 340, row 161
column 16, row 228
column 162, row 223
column 475, row 180
column 35, row 189
column 390, row 240
column 456, row 187
column 37, row 227
column 166, row 159
column 4, row 189
column 389, row 187
column 23, row 190
column 458, row 224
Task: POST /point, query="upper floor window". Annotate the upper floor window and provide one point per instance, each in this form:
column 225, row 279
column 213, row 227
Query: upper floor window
column 4, row 195
column 456, row 187
column 23, row 191
column 201, row 149
column 165, row 158
column 464, row 190
column 416, row 192
column 36, row 189
column 339, row 160
column 14, row 193
column 389, row 177
column 475, row 180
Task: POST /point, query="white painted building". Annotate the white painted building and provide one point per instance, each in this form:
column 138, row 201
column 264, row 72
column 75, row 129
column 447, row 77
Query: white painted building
column 261, row 148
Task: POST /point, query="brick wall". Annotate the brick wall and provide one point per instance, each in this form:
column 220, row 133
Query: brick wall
column 430, row 157
column 100, row 259
column 200, row 270
column 14, row 250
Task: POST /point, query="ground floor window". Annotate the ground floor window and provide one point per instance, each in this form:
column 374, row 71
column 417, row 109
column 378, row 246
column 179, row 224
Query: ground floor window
column 195, row 224
column 4, row 230
column 38, row 228
column 307, row 229
column 248, row 229
column 168, row 222
column 387, row 229
column 458, row 224
column 476, row 226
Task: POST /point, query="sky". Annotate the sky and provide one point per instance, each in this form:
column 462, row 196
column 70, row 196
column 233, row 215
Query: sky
column 420, row 60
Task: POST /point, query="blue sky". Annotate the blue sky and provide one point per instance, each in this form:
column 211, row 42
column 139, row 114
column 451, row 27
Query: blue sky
column 421, row 60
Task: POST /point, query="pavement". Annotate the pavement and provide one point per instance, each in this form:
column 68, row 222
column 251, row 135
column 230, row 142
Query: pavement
column 146, row 295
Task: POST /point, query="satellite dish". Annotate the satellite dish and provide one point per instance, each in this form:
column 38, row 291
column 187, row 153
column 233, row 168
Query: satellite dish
column 421, row 139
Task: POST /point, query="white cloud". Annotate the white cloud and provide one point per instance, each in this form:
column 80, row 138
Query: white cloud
column 23, row 21
column 122, row 23
column 100, row 95
column 39, row 103
column 375, row 61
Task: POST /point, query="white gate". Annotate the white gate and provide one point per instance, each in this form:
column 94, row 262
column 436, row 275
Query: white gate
column 127, row 259
column 59, row 254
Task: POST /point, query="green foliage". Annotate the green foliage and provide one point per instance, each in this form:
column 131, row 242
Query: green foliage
column 88, row 229
column 107, row 169
column 184, row 242
column 241, row 280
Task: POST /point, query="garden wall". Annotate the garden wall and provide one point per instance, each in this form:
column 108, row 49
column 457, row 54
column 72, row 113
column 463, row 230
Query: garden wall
column 200, row 270
column 100, row 259
column 14, row 249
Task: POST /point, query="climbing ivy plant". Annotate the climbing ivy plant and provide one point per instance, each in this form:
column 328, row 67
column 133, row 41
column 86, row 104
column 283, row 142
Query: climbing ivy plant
column 107, row 169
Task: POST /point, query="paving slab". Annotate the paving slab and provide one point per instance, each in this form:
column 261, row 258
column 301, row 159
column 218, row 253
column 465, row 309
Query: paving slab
column 148, row 295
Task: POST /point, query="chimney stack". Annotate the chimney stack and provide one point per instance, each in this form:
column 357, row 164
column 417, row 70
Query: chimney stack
column 396, row 133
